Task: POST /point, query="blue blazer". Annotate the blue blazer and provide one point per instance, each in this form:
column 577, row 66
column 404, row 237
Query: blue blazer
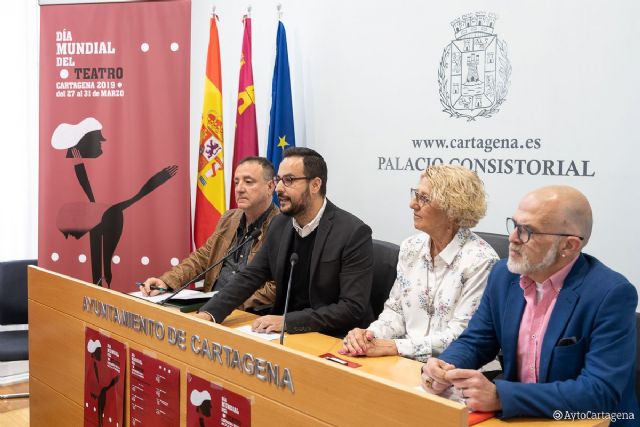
column 595, row 309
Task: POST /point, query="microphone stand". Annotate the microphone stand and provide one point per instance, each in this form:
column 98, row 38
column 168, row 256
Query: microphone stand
column 293, row 259
column 251, row 236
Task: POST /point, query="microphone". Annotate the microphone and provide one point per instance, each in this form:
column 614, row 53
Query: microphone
column 293, row 259
column 249, row 237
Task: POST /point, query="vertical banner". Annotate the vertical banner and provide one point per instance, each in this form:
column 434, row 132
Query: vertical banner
column 114, row 203
column 104, row 379
column 211, row 405
column 210, row 196
column 281, row 130
column 246, row 137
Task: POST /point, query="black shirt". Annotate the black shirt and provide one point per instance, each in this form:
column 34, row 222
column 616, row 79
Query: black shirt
column 238, row 261
column 303, row 246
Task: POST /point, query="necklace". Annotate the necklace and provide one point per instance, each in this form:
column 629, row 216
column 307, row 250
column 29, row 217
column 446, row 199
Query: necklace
column 431, row 307
column 431, row 293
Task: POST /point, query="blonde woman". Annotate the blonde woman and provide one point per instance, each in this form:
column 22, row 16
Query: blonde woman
column 442, row 271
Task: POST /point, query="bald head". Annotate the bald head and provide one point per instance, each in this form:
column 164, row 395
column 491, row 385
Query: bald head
column 562, row 208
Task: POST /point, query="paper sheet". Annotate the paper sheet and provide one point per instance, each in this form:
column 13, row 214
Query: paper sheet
column 261, row 335
column 185, row 294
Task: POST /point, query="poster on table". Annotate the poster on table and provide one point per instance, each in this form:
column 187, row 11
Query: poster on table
column 114, row 204
column 209, row 404
column 154, row 388
column 105, row 364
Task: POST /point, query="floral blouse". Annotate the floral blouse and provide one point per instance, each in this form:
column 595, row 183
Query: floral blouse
column 432, row 300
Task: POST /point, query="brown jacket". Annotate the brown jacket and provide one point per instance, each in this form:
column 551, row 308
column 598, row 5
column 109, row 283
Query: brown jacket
column 215, row 248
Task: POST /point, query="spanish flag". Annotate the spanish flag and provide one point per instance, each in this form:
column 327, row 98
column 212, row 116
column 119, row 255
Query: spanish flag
column 210, row 196
column 246, row 137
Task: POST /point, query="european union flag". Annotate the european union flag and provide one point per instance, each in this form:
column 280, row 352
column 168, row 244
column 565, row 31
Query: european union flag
column 281, row 132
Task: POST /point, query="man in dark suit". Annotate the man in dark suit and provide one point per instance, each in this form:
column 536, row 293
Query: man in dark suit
column 331, row 281
column 564, row 321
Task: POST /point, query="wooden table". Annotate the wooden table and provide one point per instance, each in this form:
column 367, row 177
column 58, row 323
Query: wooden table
column 381, row 392
column 400, row 370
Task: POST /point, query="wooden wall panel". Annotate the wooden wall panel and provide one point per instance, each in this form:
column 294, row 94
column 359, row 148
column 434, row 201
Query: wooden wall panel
column 48, row 407
column 56, row 341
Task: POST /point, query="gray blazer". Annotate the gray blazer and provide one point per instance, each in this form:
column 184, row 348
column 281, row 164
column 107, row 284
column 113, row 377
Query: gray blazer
column 340, row 279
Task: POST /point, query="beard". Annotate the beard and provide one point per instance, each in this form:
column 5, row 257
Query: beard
column 525, row 267
column 296, row 207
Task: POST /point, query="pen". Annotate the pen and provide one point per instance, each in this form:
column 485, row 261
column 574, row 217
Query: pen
column 153, row 287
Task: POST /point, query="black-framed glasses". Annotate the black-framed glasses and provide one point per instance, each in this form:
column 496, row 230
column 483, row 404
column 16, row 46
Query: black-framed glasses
column 524, row 232
column 288, row 180
column 420, row 198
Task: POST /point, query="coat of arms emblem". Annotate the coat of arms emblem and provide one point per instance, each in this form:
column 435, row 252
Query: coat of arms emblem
column 474, row 70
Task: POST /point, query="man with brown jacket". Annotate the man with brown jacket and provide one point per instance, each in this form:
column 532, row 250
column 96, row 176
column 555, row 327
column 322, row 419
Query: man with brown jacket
column 254, row 194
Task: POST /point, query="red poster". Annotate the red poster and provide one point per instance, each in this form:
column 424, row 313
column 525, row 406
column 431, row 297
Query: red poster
column 210, row 405
column 154, row 392
column 114, row 204
column 104, row 378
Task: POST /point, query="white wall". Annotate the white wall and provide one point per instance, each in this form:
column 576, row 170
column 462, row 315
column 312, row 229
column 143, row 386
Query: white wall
column 364, row 76
column 365, row 83
column 19, row 130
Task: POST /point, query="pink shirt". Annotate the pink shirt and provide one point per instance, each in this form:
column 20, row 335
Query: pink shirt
column 535, row 319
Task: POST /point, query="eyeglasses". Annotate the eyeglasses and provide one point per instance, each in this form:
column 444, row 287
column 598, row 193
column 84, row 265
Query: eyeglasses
column 524, row 232
column 420, row 198
column 288, row 180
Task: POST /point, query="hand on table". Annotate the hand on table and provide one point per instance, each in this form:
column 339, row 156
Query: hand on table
column 362, row 342
column 479, row 393
column 152, row 282
column 266, row 324
column 433, row 375
column 204, row 316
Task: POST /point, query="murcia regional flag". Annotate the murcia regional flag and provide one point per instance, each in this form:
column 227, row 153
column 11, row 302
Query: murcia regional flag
column 246, row 137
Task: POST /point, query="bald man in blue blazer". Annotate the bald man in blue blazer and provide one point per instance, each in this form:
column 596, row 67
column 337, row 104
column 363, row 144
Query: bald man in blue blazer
column 564, row 321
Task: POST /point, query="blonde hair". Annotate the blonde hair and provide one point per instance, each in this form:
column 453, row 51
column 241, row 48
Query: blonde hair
column 457, row 191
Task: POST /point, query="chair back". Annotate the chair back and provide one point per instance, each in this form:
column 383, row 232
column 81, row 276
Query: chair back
column 638, row 357
column 13, row 292
column 499, row 242
column 385, row 261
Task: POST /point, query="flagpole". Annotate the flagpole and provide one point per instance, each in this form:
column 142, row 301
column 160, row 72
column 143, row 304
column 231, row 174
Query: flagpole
column 279, row 11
